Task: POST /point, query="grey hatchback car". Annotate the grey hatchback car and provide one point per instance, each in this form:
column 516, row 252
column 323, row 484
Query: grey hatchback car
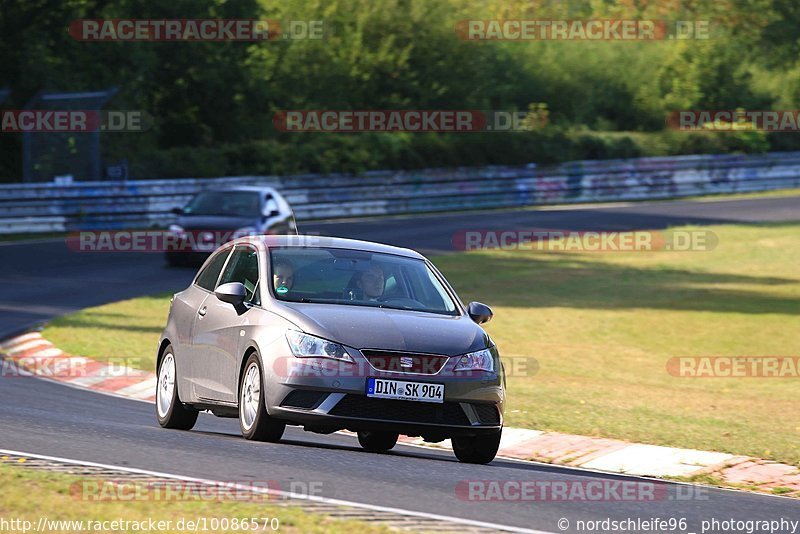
column 331, row 334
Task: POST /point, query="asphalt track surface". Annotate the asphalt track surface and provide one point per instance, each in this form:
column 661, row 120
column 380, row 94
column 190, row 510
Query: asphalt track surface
column 43, row 279
column 55, row 420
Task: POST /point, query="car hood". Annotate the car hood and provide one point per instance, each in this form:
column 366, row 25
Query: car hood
column 365, row 327
column 215, row 222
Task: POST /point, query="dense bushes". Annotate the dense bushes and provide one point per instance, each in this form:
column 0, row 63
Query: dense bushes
column 213, row 103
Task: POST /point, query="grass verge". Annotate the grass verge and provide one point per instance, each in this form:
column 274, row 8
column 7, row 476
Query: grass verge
column 127, row 330
column 28, row 236
column 28, row 495
column 602, row 327
column 774, row 193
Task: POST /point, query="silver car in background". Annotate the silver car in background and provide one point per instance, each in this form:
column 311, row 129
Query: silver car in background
column 216, row 216
column 331, row 334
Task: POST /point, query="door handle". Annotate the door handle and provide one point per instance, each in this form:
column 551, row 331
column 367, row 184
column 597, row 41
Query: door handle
column 202, row 312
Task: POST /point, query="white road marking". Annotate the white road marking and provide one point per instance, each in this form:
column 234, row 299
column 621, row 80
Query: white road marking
column 143, row 389
column 19, row 339
column 654, row 460
column 53, row 353
column 85, row 381
column 22, row 347
column 514, row 436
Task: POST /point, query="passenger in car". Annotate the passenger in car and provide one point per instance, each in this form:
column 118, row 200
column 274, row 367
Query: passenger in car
column 282, row 276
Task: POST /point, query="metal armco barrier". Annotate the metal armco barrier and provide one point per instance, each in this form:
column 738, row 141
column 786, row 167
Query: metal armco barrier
column 50, row 207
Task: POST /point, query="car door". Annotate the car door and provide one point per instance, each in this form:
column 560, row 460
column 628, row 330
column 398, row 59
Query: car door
column 217, row 330
column 185, row 309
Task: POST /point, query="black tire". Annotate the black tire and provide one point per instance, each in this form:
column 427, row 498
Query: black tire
column 263, row 427
column 377, row 441
column 177, row 416
column 477, row 449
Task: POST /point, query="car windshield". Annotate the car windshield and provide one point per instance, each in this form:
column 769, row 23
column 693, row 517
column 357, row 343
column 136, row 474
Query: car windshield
column 358, row 278
column 227, row 203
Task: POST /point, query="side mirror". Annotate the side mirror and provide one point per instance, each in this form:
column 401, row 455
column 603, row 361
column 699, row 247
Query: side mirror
column 272, row 213
column 479, row 312
column 232, row 293
column 177, row 211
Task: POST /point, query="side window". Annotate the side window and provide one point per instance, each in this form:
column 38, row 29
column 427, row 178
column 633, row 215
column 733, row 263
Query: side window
column 243, row 268
column 207, row 279
column 270, row 205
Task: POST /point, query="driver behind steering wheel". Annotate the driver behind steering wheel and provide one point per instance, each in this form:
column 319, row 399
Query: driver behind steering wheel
column 372, row 283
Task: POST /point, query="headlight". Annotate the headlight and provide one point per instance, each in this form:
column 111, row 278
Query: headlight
column 175, row 229
column 242, row 232
column 481, row 360
column 308, row 346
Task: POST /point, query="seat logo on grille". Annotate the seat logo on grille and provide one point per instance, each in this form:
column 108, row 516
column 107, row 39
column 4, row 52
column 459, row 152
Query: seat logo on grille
column 406, row 362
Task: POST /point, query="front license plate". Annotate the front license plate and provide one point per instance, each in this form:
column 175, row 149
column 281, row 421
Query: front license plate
column 402, row 390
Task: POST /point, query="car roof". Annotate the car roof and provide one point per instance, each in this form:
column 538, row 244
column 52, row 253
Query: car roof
column 254, row 188
column 314, row 241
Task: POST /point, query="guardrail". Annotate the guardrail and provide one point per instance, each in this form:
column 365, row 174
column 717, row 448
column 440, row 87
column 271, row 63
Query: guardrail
column 50, row 207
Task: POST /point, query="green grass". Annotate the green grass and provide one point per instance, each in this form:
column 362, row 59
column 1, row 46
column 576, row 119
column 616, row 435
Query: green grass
column 776, row 193
column 126, row 330
column 602, row 327
column 30, row 494
column 31, row 236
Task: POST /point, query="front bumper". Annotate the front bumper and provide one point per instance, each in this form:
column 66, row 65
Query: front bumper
column 325, row 401
column 192, row 245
